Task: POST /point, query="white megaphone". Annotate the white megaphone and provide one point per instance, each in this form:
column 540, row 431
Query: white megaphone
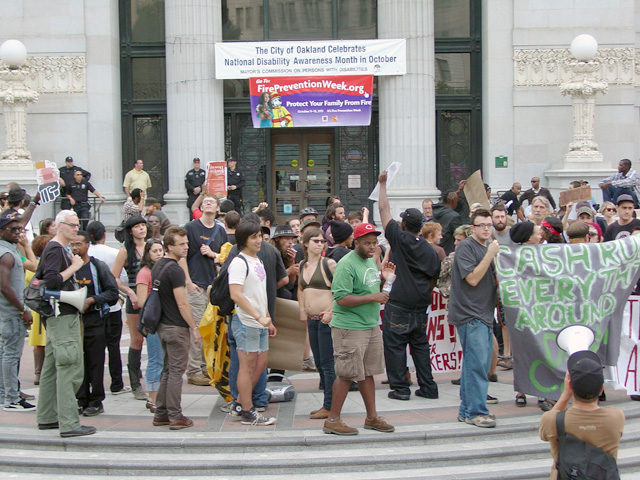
column 75, row 298
column 575, row 338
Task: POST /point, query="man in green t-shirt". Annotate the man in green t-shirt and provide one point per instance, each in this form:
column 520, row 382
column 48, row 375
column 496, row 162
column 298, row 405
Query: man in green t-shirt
column 357, row 340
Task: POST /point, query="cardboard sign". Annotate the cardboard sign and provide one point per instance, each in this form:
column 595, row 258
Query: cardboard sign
column 286, row 349
column 475, row 192
column 574, row 195
column 216, row 179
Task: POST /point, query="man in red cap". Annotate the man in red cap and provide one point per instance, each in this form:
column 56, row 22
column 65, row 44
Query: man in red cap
column 357, row 340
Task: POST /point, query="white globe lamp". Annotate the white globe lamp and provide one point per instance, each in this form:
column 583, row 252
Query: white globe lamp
column 13, row 53
column 584, row 47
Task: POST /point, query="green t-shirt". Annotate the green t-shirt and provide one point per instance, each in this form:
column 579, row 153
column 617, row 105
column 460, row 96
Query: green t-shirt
column 355, row 275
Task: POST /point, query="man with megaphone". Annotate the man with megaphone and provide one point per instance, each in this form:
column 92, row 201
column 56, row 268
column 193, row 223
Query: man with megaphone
column 62, row 371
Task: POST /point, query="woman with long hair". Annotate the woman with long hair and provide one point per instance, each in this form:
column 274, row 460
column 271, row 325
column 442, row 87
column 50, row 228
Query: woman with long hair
column 153, row 251
column 129, row 256
column 316, row 303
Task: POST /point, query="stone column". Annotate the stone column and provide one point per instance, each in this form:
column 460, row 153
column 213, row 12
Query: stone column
column 195, row 109
column 407, row 104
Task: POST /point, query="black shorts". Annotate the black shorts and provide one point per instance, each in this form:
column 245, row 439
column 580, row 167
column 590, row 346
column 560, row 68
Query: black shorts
column 129, row 308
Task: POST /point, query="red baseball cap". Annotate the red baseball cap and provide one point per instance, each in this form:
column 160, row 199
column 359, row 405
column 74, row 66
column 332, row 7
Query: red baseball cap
column 364, row 229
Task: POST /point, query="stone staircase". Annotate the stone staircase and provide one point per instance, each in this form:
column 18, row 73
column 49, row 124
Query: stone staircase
column 441, row 450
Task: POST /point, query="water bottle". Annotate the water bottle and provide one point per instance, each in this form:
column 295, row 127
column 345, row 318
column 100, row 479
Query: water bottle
column 389, row 284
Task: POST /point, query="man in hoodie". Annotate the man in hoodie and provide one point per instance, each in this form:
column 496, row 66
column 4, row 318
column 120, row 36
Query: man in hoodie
column 445, row 215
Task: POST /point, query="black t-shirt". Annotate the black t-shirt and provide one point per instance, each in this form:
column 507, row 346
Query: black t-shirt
column 55, row 259
column 172, row 277
column 80, row 191
column 511, row 202
column 416, row 265
column 616, row 231
column 336, row 253
column 202, row 269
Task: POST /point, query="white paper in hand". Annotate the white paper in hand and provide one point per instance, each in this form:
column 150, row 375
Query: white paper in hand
column 391, row 173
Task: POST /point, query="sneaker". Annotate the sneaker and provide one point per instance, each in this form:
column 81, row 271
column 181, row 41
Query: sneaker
column 259, row 409
column 482, row 421
column 93, row 411
column 546, row 404
column 455, row 381
column 21, row 406
column 378, row 423
column 309, row 365
column 140, row 394
column 226, row 408
column 491, row 399
column 27, row 396
column 235, row 409
column 338, row 427
column 199, row 380
column 182, row 422
column 121, row 391
column 635, row 398
column 395, row 395
column 253, row 418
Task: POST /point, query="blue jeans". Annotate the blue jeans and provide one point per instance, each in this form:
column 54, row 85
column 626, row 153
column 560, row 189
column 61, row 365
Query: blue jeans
column 260, row 395
column 322, row 348
column 611, row 194
column 12, row 333
column 155, row 362
column 476, row 339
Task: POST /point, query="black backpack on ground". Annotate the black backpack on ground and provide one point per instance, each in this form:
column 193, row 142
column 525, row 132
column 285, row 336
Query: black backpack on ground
column 220, row 295
column 578, row 460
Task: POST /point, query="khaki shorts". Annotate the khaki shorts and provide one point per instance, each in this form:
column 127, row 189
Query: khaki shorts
column 357, row 353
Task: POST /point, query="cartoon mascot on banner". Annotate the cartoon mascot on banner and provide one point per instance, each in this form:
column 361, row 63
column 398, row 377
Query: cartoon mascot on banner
column 281, row 116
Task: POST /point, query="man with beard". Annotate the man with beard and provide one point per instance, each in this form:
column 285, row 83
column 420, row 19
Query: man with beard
column 500, row 227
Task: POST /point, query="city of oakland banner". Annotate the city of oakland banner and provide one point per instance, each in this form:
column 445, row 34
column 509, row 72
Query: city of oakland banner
column 285, row 102
column 545, row 288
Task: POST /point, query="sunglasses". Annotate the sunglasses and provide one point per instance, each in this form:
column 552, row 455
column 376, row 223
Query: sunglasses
column 609, row 209
column 18, row 229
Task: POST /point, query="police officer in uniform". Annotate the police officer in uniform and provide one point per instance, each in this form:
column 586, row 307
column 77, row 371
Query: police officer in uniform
column 235, row 182
column 193, row 181
column 78, row 197
column 66, row 179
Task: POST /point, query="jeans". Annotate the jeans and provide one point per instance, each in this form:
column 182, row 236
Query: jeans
column 476, row 340
column 155, row 362
column 175, row 344
column 401, row 327
column 12, row 333
column 322, row 348
column 611, row 194
column 259, row 394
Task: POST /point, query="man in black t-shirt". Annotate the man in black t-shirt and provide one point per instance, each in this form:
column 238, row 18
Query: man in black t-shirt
column 193, row 181
column 405, row 314
column 206, row 236
column 176, row 330
column 625, row 224
column 66, row 179
column 78, row 195
column 511, row 202
column 102, row 292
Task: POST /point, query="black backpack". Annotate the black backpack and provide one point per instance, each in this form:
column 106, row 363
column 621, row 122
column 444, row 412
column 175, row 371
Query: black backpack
column 578, row 460
column 150, row 313
column 220, row 295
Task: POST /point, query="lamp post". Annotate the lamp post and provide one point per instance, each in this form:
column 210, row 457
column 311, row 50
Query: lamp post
column 583, row 88
column 15, row 95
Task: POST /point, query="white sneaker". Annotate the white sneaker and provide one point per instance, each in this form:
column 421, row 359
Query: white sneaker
column 21, row 406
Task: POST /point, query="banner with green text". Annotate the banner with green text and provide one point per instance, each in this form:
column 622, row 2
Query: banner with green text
column 545, row 288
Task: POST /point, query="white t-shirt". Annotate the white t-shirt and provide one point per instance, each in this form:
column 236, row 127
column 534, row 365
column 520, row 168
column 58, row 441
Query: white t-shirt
column 254, row 287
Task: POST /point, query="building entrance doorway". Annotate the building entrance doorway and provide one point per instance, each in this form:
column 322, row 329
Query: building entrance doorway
column 303, row 172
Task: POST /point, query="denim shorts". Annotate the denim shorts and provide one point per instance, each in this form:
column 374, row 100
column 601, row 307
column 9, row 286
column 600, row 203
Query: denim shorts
column 250, row 339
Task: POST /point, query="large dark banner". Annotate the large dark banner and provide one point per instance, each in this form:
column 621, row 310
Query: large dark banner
column 545, row 288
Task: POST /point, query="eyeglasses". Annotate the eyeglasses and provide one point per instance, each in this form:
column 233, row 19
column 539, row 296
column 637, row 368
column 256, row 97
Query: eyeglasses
column 18, row 229
column 209, row 202
column 318, row 240
column 72, row 225
column 483, row 225
column 609, row 209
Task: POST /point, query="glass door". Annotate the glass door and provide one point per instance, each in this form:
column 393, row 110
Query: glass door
column 303, row 172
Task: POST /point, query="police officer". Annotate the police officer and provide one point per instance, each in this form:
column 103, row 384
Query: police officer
column 235, row 182
column 78, row 197
column 193, row 181
column 66, row 179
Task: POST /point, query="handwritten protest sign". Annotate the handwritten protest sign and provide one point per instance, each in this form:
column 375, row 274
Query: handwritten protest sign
column 545, row 288
column 627, row 373
column 580, row 194
column 48, row 179
column 446, row 352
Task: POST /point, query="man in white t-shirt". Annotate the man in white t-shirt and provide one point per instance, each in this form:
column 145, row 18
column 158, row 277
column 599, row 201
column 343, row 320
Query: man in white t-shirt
column 252, row 325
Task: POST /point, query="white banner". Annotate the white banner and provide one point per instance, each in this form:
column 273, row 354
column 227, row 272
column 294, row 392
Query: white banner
column 446, row 351
column 326, row 57
column 626, row 373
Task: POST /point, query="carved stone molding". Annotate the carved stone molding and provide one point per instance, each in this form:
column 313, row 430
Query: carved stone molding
column 552, row 67
column 56, row 74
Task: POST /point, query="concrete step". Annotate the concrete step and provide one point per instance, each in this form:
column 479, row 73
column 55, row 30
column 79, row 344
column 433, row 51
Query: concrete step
column 444, row 450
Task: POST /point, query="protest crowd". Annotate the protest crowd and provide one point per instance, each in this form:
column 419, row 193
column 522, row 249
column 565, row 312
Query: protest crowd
column 340, row 268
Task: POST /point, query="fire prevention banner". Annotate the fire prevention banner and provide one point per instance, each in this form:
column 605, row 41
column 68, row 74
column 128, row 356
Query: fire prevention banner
column 286, row 102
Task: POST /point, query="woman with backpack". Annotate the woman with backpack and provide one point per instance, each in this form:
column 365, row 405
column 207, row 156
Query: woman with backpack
column 135, row 236
column 316, row 304
column 153, row 251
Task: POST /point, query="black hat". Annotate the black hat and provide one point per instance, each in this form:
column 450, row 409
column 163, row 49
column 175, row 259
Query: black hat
column 521, row 232
column 96, row 231
column 232, row 159
column 310, row 223
column 283, row 231
column 196, row 159
column 585, row 371
column 133, row 221
column 68, row 159
column 624, row 198
column 16, row 194
column 412, row 217
column 340, row 231
column 308, row 211
column 7, row 220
